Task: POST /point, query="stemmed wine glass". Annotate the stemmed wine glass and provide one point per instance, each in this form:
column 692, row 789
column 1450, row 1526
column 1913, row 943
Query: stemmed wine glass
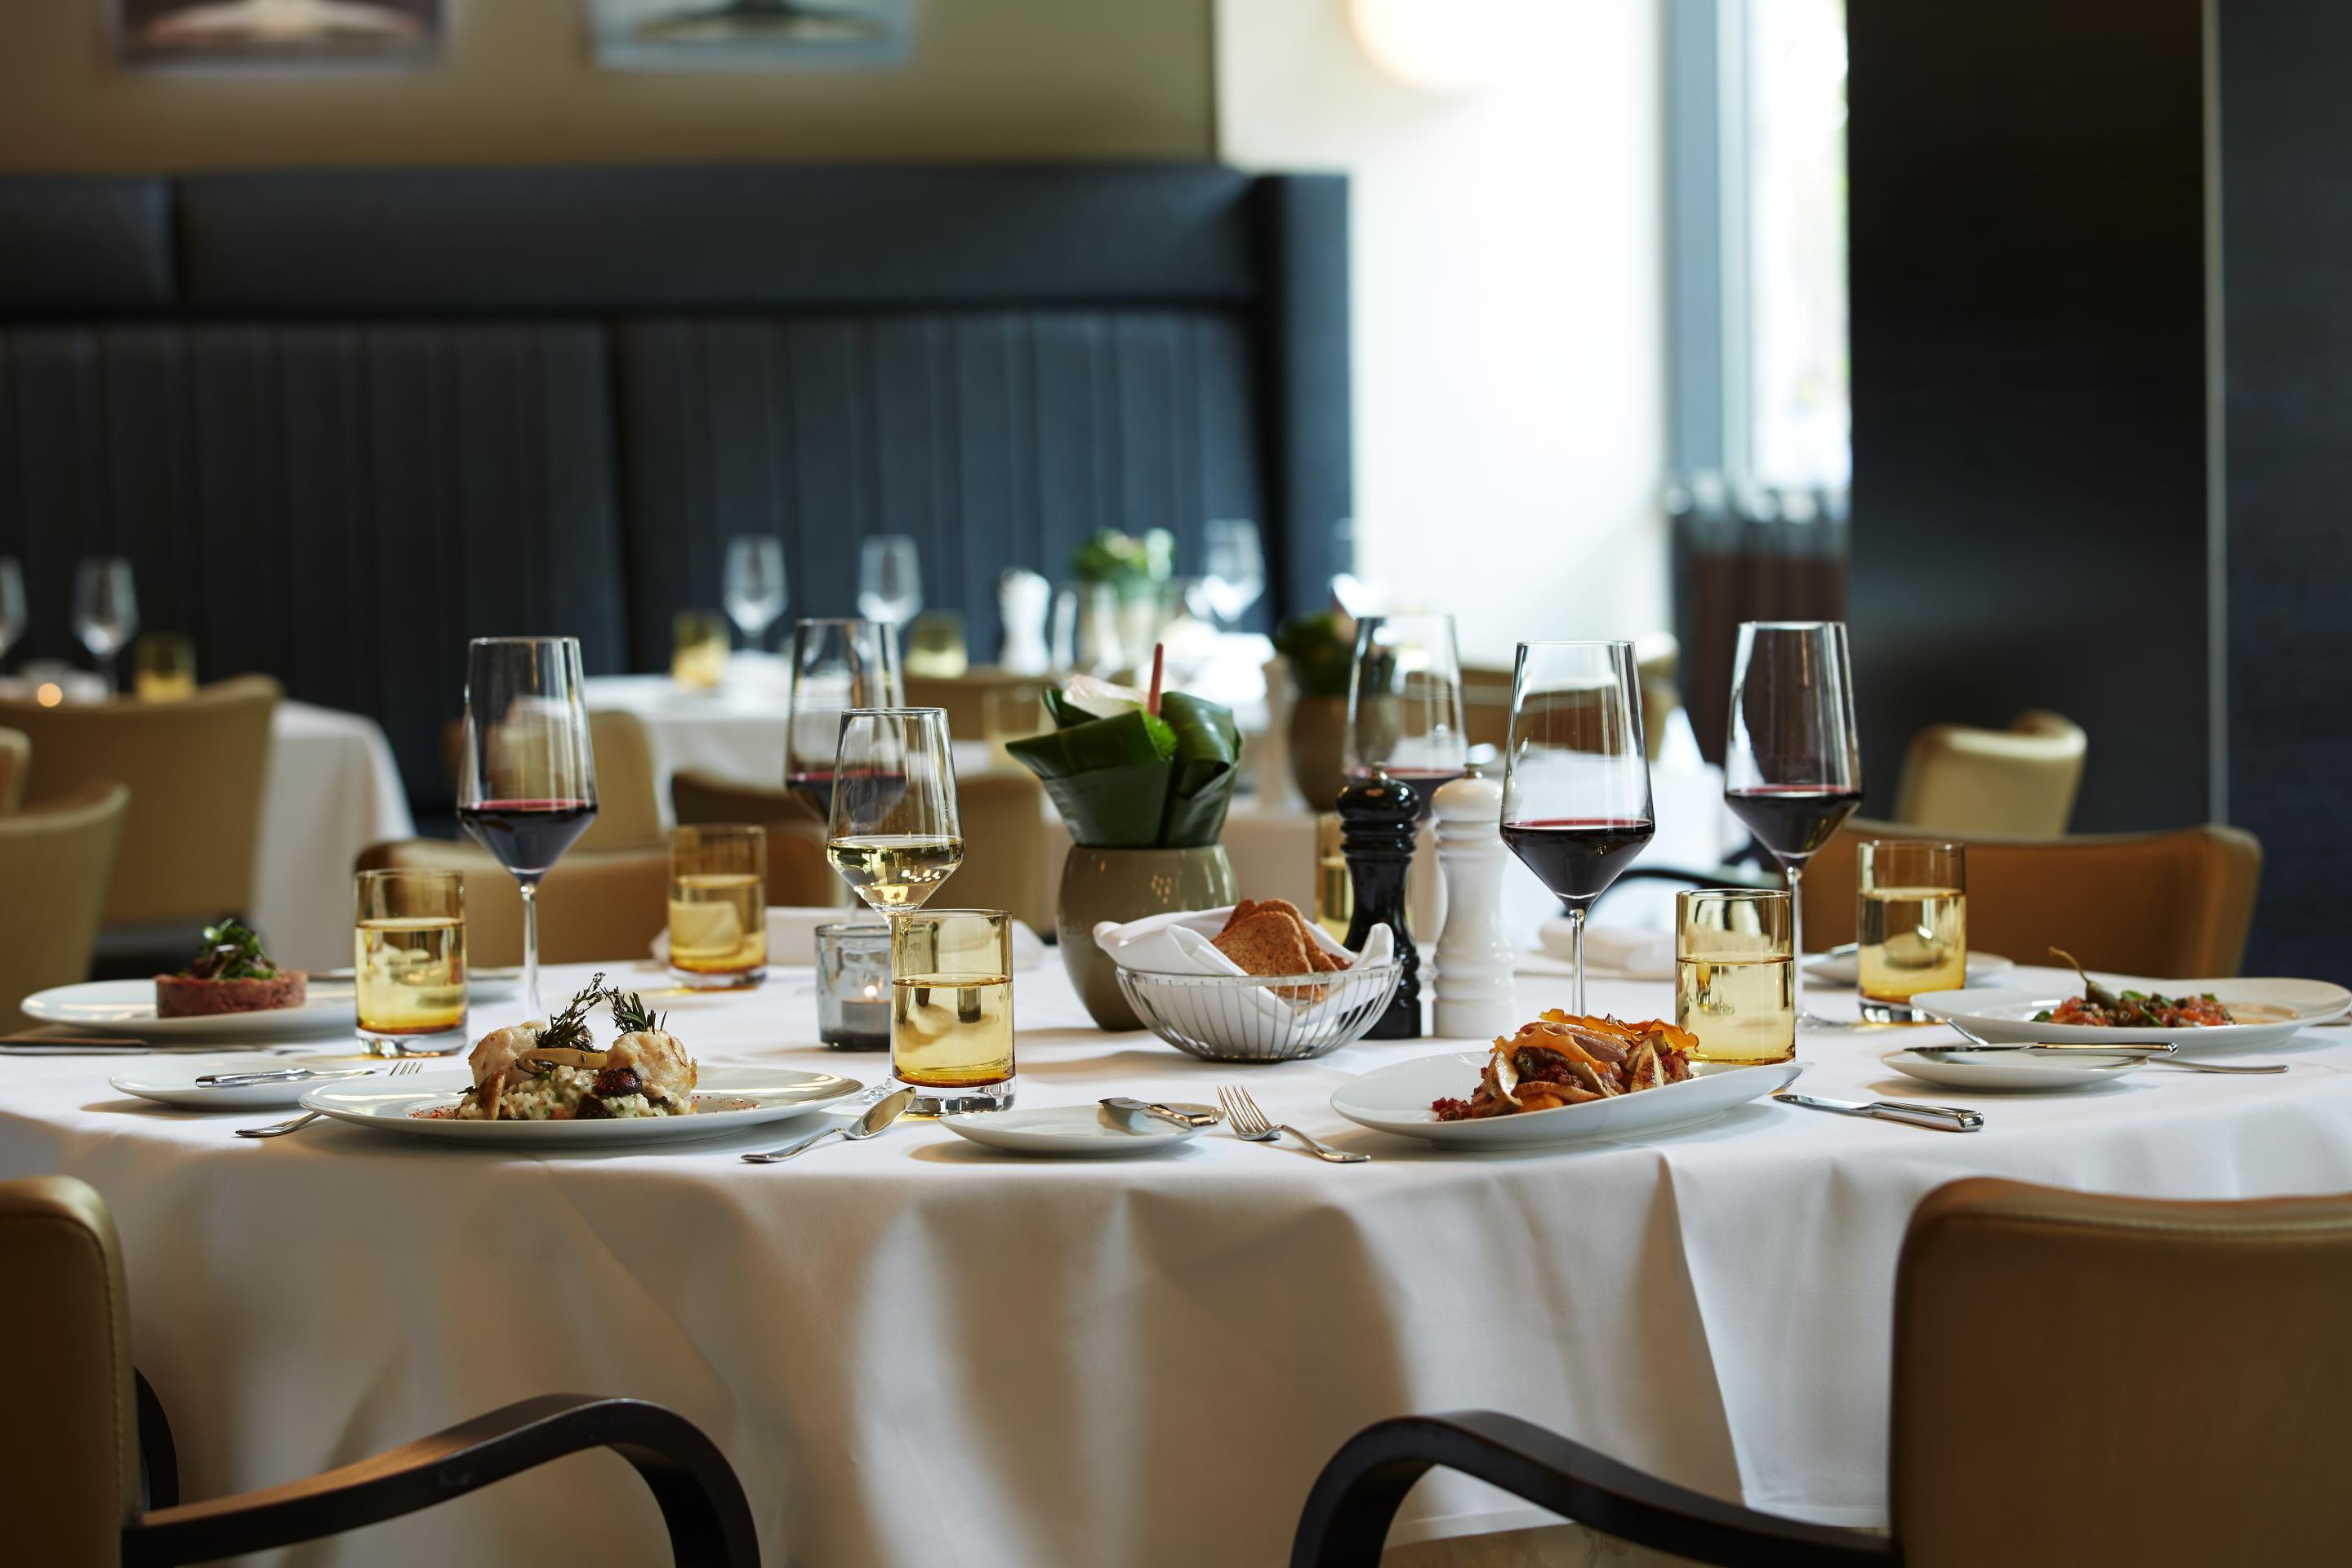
column 106, row 611
column 526, row 773
column 894, row 835
column 1793, row 770
column 1233, row 568
column 837, row 666
column 12, row 603
column 889, row 580
column 1404, row 702
column 754, row 589
column 1576, row 779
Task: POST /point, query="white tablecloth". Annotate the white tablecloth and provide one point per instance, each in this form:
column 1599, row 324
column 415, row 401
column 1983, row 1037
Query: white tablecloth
column 917, row 1351
column 333, row 789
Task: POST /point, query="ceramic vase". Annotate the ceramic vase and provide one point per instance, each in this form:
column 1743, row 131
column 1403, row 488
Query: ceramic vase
column 1126, row 885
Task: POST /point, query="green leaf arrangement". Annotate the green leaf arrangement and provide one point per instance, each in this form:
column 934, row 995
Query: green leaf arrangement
column 1136, row 781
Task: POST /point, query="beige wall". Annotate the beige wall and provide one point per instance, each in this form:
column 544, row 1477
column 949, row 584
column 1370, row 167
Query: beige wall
column 990, row 78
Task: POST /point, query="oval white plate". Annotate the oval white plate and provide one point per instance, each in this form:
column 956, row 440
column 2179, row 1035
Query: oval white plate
column 2004, row 1013
column 1072, row 1131
column 1843, row 968
column 2011, row 1070
column 482, row 985
column 127, row 1007
column 389, row 1104
column 172, row 1079
column 1396, row 1099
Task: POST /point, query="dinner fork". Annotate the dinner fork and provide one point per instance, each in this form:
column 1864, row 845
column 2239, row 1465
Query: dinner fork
column 1249, row 1122
column 279, row 1129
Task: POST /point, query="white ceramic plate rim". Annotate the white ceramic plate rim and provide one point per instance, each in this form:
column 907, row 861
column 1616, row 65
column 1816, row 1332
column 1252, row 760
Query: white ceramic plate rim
column 1070, row 1130
column 2004, row 1013
column 2034, row 1073
column 1708, row 1094
column 1842, row 968
column 386, row 1104
column 127, row 1008
column 169, row 1078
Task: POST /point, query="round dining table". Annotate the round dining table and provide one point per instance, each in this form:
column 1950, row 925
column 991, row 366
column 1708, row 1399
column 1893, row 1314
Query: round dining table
column 919, row 1351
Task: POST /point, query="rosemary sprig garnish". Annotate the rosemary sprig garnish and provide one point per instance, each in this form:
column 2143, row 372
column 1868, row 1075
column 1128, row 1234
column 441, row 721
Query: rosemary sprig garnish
column 570, row 1030
column 630, row 1014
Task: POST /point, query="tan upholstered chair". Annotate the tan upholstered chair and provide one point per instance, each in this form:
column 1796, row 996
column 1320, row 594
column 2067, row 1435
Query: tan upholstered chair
column 2038, row 1366
column 594, row 908
column 196, row 770
column 88, row 1474
column 984, row 703
column 629, row 795
column 798, row 873
column 53, row 863
column 2021, row 781
column 2160, row 905
column 16, row 759
column 1003, row 817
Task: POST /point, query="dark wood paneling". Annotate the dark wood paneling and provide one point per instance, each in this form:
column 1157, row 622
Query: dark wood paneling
column 2030, row 514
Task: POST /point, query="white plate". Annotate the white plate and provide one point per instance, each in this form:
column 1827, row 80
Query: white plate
column 388, row 1104
column 127, row 1007
column 482, row 985
column 1842, row 968
column 172, row 1079
column 2011, row 1070
column 1070, row 1130
column 2004, row 1013
column 1396, row 1099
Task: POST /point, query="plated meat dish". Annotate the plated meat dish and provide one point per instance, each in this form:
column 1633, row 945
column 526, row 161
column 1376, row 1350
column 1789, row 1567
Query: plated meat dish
column 232, row 974
column 550, row 1072
column 2101, row 1008
column 1563, row 1060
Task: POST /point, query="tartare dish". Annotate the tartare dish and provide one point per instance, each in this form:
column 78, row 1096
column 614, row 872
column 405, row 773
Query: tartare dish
column 231, row 975
column 2100, row 1008
column 1563, row 1060
column 552, row 1072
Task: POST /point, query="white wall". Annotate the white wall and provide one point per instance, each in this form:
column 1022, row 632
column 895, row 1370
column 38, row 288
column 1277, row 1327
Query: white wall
column 1509, row 306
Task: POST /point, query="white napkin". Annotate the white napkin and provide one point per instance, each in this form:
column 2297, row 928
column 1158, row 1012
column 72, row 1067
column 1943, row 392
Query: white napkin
column 1182, row 943
column 1635, row 955
column 792, row 936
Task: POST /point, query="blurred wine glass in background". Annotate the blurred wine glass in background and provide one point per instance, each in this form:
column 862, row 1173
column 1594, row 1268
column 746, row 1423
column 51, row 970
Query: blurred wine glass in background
column 755, row 584
column 12, row 603
column 889, row 580
column 1233, row 568
column 837, row 666
column 1404, row 702
column 105, row 610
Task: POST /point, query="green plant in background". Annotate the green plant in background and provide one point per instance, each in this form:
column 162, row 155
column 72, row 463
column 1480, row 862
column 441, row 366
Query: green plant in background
column 1124, row 562
column 1124, row 778
column 1321, row 649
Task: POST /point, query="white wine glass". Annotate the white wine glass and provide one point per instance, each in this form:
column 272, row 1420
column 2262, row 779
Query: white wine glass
column 837, row 666
column 754, row 590
column 895, row 834
column 1233, row 568
column 889, row 580
column 527, row 772
column 105, row 610
column 1793, row 765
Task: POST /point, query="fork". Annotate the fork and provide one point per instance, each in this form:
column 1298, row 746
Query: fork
column 279, row 1129
column 1249, row 1122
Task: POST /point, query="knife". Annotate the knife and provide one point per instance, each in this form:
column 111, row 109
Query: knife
column 2163, row 1048
column 281, row 1075
column 1130, row 1115
column 1943, row 1118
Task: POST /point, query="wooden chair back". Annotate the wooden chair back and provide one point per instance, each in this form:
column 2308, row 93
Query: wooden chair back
column 2020, row 781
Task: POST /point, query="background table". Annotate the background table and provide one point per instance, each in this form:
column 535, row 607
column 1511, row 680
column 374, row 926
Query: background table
column 332, row 790
column 920, row 1352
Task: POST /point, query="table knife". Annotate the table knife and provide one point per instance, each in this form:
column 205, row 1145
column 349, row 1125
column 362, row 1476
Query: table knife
column 1132, row 1113
column 1943, row 1118
column 281, row 1075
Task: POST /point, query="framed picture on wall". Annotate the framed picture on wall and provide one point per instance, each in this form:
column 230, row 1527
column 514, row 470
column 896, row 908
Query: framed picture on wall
column 751, row 35
column 235, row 34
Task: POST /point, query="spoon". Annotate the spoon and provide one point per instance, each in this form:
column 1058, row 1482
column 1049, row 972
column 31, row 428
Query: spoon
column 2147, row 1061
column 878, row 1116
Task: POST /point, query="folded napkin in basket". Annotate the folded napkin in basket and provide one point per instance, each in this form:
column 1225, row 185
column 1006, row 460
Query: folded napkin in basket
column 792, row 936
column 1183, row 943
column 1635, row 954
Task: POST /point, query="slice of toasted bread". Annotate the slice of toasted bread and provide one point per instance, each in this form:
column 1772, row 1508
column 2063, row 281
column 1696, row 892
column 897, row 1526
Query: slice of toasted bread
column 1265, row 943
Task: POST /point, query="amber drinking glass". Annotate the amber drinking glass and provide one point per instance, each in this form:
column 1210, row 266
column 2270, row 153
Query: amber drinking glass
column 1912, row 927
column 718, row 906
column 164, row 668
column 1735, row 981
column 699, row 644
column 951, row 1009
column 408, row 962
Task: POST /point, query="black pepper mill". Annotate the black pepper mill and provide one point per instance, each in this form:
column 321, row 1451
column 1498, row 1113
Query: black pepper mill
column 1380, row 820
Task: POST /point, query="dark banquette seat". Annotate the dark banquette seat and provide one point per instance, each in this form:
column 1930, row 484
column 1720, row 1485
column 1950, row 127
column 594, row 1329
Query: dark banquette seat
column 342, row 420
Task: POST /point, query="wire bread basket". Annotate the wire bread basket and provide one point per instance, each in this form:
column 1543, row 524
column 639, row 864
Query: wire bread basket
column 1261, row 1017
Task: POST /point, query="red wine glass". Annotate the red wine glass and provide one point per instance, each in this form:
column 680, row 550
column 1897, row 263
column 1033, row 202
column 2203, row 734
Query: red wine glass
column 526, row 772
column 1576, row 779
column 1404, row 703
column 1793, row 769
column 838, row 665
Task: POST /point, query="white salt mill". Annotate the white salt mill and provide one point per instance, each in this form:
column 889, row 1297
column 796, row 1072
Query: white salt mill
column 1475, row 997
